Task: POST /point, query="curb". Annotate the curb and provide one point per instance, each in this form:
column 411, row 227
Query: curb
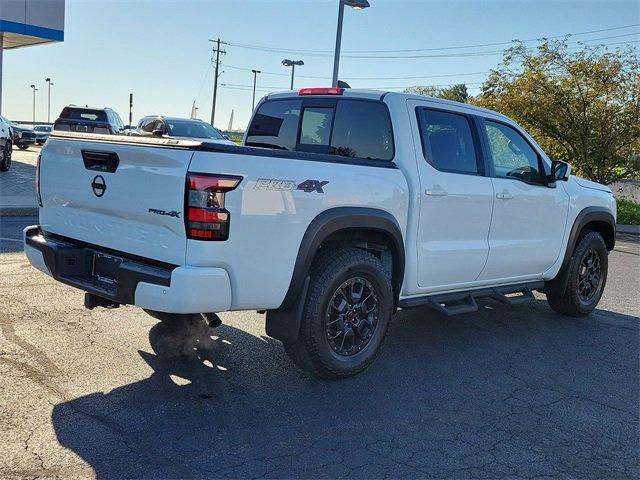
column 18, row 211
column 635, row 229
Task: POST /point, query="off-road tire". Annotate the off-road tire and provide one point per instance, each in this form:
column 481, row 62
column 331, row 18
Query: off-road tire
column 563, row 292
column 5, row 161
column 312, row 351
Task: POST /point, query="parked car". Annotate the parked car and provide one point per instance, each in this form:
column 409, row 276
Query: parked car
column 42, row 133
column 341, row 207
column 6, row 142
column 161, row 126
column 22, row 136
column 89, row 120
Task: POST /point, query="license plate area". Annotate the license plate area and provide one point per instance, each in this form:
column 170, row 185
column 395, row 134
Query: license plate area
column 105, row 267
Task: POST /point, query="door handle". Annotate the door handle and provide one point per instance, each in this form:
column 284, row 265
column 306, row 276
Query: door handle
column 504, row 196
column 437, row 192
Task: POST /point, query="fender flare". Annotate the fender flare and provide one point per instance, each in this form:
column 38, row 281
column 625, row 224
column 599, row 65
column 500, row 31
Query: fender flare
column 588, row 215
column 284, row 322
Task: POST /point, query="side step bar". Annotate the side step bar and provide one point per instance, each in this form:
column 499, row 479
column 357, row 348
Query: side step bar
column 465, row 302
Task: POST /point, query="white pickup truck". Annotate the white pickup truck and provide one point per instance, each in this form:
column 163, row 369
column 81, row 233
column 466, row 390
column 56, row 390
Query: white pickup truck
column 341, row 207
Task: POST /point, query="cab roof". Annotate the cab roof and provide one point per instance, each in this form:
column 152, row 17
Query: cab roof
column 372, row 94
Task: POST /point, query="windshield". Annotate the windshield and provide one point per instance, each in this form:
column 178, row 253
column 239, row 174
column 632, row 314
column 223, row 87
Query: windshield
column 193, row 129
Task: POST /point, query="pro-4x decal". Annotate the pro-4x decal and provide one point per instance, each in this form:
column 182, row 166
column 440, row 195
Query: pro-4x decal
column 307, row 186
column 312, row 186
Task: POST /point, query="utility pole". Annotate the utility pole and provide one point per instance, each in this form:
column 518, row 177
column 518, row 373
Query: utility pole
column 217, row 51
column 34, row 103
column 48, row 80
column 253, row 103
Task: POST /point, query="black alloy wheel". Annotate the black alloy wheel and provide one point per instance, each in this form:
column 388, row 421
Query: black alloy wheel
column 352, row 316
column 589, row 275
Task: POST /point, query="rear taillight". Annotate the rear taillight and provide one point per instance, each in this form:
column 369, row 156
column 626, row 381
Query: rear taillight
column 206, row 217
column 38, row 180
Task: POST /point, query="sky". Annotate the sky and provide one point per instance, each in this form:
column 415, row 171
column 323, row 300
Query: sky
column 160, row 50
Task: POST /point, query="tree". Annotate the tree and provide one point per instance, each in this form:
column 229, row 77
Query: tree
column 582, row 106
column 457, row 92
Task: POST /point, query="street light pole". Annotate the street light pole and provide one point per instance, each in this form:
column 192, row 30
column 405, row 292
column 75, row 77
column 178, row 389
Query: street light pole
column 253, row 103
column 356, row 5
column 48, row 80
column 34, row 103
column 292, row 63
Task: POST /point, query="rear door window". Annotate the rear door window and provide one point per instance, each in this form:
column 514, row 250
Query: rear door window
column 447, row 141
column 275, row 125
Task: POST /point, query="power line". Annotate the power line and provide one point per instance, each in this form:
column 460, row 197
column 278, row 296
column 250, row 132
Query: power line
column 461, row 54
column 329, row 52
column 323, row 77
column 479, row 54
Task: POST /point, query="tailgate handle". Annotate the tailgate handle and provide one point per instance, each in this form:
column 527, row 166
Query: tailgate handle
column 100, row 161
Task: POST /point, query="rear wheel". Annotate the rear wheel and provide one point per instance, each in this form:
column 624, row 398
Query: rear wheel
column 23, row 146
column 577, row 289
column 5, row 161
column 346, row 314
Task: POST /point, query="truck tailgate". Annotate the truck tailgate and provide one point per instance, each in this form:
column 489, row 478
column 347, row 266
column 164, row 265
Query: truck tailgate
column 125, row 197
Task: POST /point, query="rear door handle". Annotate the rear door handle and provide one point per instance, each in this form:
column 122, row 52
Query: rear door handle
column 437, row 192
column 504, row 196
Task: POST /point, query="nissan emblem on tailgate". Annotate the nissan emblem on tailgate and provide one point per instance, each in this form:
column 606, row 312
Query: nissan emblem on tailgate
column 98, row 185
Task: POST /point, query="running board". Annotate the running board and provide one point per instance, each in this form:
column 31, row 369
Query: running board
column 465, row 302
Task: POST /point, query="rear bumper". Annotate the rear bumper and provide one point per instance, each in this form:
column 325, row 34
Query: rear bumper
column 137, row 282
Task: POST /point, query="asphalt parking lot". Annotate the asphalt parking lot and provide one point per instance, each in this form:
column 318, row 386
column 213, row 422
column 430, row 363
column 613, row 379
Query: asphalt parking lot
column 510, row 391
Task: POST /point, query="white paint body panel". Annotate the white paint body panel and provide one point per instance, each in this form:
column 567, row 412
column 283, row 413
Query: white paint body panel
column 147, row 177
column 527, row 230
column 267, row 226
column 192, row 289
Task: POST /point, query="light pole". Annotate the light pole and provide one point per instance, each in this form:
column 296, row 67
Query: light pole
column 356, row 5
column 253, row 103
column 292, row 63
column 34, row 103
column 49, row 83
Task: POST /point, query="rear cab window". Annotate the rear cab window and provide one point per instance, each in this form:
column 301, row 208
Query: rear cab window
column 345, row 127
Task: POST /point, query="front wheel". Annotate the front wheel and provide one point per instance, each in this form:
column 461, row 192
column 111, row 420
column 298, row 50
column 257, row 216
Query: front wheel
column 577, row 289
column 346, row 314
column 23, row 146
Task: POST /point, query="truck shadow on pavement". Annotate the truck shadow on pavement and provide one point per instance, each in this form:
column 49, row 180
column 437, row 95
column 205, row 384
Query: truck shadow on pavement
column 518, row 391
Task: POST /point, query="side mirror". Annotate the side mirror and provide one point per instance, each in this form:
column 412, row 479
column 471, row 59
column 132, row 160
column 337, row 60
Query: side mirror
column 158, row 132
column 560, row 171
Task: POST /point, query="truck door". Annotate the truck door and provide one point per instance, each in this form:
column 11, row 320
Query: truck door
column 456, row 198
column 529, row 218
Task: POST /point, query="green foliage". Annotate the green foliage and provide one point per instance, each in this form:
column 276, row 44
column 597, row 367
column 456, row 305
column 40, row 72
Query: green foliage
column 457, row 92
column 583, row 106
column 628, row 212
